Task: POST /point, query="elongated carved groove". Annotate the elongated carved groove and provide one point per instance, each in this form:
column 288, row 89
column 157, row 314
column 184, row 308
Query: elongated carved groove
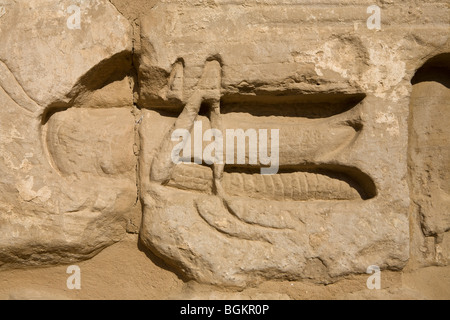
column 12, row 87
column 291, row 105
column 297, row 186
column 307, row 185
column 219, row 217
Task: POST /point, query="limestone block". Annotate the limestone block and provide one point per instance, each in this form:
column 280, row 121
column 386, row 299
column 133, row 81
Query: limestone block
column 67, row 175
column 430, row 158
column 339, row 94
column 48, row 58
column 352, row 120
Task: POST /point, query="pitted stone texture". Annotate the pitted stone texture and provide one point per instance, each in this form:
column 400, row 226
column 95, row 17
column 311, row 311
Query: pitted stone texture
column 64, row 198
column 338, row 92
column 295, row 45
column 430, row 158
column 47, row 57
column 276, row 53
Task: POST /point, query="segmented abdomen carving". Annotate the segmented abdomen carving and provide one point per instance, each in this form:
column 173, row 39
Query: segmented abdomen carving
column 296, row 186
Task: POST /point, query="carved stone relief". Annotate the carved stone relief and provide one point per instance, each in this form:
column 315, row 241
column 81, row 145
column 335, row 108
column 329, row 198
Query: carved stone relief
column 430, row 156
column 87, row 154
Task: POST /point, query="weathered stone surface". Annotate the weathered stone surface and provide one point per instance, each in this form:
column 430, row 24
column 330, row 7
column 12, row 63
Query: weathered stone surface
column 68, row 177
column 279, row 61
column 46, row 57
column 430, row 156
column 87, row 117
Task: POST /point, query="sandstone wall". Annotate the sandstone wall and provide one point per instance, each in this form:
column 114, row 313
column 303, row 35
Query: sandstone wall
column 88, row 110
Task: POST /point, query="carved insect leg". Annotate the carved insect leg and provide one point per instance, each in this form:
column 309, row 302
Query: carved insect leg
column 208, row 90
column 218, row 166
